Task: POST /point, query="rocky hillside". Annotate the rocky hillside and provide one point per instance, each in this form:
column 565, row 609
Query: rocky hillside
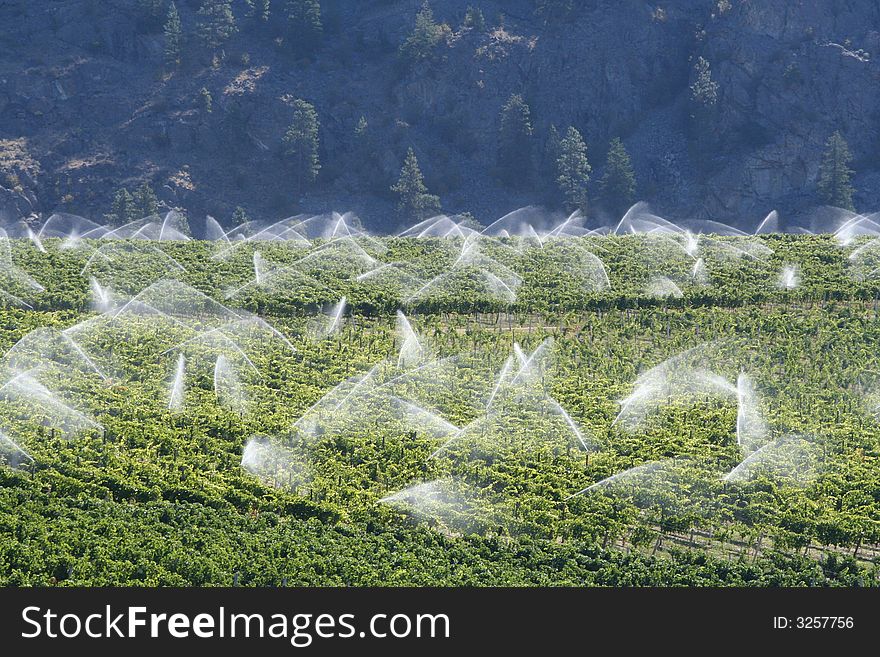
column 89, row 105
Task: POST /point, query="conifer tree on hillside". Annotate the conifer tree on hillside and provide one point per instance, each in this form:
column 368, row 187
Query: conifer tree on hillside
column 835, row 187
column 145, row 200
column 122, row 210
column 240, row 216
column 173, row 36
column 301, row 143
column 260, row 9
column 216, row 23
column 515, row 141
column 424, row 38
column 703, row 114
column 361, row 129
column 573, row 170
column 304, row 26
column 549, row 157
column 206, row 101
column 704, row 90
column 128, row 207
column 618, row 183
column 473, row 19
column 414, row 200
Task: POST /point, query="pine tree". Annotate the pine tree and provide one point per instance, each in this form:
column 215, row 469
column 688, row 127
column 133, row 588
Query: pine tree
column 704, row 90
column 301, row 142
column 573, row 170
column 360, row 130
column 618, row 184
column 473, row 19
column 703, row 101
column 264, row 10
column 240, row 216
column 515, row 141
column 834, row 173
column 424, row 38
column 258, row 9
column 415, row 201
column 172, row 36
column 145, row 201
column 304, row 27
column 550, row 156
column 206, row 100
column 122, row 210
column 216, row 23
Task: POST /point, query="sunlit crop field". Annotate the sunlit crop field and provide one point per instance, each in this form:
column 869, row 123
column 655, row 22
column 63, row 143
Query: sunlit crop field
column 614, row 410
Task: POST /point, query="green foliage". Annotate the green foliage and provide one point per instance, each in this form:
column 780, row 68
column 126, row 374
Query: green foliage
column 704, row 90
column 122, row 210
column 573, row 170
column 206, row 100
column 549, row 157
column 304, row 27
column 128, row 206
column 173, row 36
column 216, row 23
column 473, row 19
column 361, row 129
column 425, row 37
column 240, row 216
column 834, row 184
column 144, row 199
column 618, row 183
column 301, row 143
column 515, row 141
column 161, row 499
column 414, row 200
column 703, row 100
column 259, row 9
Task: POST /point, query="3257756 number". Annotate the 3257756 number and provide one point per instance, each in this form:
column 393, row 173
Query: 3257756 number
column 824, row 622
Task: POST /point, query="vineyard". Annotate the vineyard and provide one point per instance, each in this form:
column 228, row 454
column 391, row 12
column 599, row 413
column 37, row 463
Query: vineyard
column 645, row 409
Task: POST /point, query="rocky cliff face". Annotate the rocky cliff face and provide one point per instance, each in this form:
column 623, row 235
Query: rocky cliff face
column 86, row 105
